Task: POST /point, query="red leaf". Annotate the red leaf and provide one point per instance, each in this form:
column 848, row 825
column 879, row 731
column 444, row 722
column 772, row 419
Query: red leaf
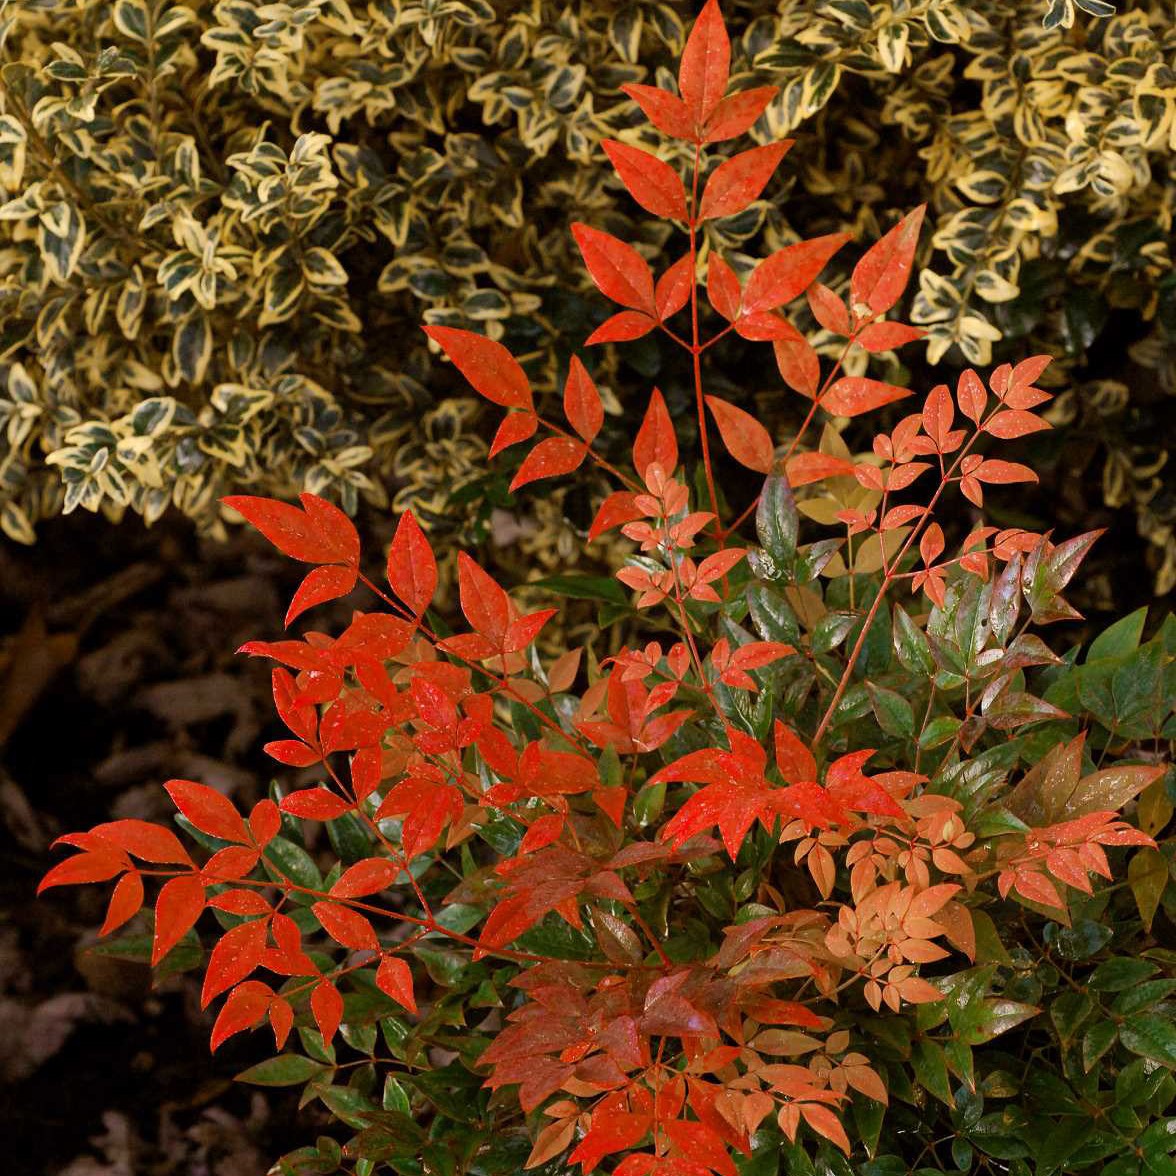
column 485, row 605
column 1014, row 422
column 737, row 181
column 828, row 309
column 795, row 761
column 208, row 810
column 799, row 364
column 621, row 328
column 582, row 404
column 523, row 631
column 487, row 365
column 292, row 752
column 971, row 396
column 853, row 395
column 326, row 1004
column 650, row 181
column 672, row 291
column 319, row 533
column 706, row 61
column 412, row 568
column 1003, row 472
column 518, row 426
column 552, row 457
column 239, row 951
column 176, row 910
column 1038, row 888
column 126, row 900
column 85, row 867
column 789, row 271
column 881, row 275
column 394, row 977
column 765, row 326
column 938, row 416
column 666, row 111
column 655, row 439
column 265, row 821
column 747, row 441
column 321, row 585
column 618, row 508
column 246, row 1006
column 722, row 288
column 618, row 270
column 345, row 926
column 315, row 804
column 888, row 336
column 369, row 876
column 150, row 842
column 806, row 468
column 737, row 114
column 931, row 544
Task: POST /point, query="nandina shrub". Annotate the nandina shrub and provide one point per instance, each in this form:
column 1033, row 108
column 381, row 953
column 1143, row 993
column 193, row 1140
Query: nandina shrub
column 787, row 880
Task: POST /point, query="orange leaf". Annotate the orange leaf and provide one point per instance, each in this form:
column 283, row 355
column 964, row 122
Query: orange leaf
column 395, row 978
column 853, row 395
column 747, row 441
column 722, row 288
column 805, row 468
column 881, row 275
column 828, row 309
column 1014, row 422
column 582, row 404
column 887, row 336
column 672, row 291
column 799, row 364
column 176, row 910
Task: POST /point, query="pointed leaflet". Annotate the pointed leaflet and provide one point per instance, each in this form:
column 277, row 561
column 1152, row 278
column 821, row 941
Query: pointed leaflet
column 672, row 291
column 621, row 328
column 722, row 287
column 619, row 507
column 793, row 758
column 247, row 1004
column 326, row 1004
column 828, row 309
column 582, row 404
column 736, row 182
column 666, row 111
column 176, row 910
column 887, row 336
column 799, row 364
column 487, row 365
column 412, row 568
column 238, row 952
column 650, row 181
column 655, row 441
column 737, row 114
column 126, row 900
column 789, row 271
column 208, row 810
column 806, row 468
column 515, row 427
column 394, row 977
column 747, row 441
column 484, row 603
column 322, row 584
column 550, row 458
column 618, row 270
column 318, row 533
column 881, row 275
column 853, row 395
column 706, row 61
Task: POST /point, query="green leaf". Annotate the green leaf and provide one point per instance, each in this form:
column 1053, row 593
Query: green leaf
column 777, row 524
column 1147, row 875
column 771, row 614
column 1120, row 972
column 1150, row 1036
column 930, row 1068
column 1097, row 1040
column 994, row 1017
column 284, row 1070
column 1121, row 638
column 603, row 588
column 895, row 715
column 911, row 645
